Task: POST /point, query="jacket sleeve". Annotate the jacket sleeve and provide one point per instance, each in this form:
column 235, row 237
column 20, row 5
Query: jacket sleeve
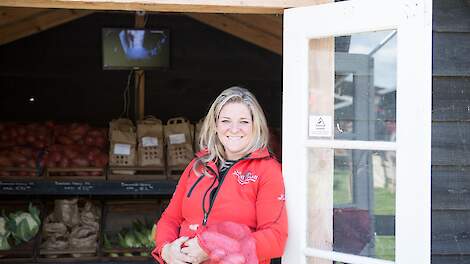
column 271, row 232
column 168, row 227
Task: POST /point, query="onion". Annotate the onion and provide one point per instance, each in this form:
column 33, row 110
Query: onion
column 64, row 140
column 5, row 162
column 80, row 162
column 64, row 163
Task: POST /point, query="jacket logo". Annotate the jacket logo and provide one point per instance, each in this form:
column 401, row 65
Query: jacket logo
column 245, row 178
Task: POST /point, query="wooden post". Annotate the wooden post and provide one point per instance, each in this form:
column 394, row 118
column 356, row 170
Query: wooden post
column 139, row 77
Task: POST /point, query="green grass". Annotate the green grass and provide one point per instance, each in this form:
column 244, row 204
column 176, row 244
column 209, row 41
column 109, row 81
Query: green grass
column 385, row 247
column 384, row 202
column 342, row 193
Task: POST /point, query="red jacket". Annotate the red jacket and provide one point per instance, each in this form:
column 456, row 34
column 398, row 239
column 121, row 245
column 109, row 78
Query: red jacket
column 252, row 193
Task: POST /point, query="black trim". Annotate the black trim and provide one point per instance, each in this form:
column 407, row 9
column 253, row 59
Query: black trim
column 194, row 185
column 206, row 214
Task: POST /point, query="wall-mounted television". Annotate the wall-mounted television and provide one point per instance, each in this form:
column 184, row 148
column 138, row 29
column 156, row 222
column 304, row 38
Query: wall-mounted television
column 134, row 48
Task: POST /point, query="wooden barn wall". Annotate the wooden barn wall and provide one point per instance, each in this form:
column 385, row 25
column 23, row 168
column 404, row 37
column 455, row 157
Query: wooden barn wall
column 451, row 132
column 61, row 68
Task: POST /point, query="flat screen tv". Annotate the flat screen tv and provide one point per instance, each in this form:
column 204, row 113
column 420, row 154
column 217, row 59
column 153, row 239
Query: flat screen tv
column 133, row 48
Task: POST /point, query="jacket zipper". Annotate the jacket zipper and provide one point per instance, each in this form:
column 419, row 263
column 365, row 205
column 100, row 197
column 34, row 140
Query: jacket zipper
column 212, row 199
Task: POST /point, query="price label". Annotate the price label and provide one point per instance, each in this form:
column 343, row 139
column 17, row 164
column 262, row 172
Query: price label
column 122, row 149
column 149, row 141
column 177, row 139
column 16, row 186
column 75, row 186
column 137, row 187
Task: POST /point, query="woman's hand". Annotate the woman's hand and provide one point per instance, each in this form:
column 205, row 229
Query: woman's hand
column 194, row 250
column 172, row 253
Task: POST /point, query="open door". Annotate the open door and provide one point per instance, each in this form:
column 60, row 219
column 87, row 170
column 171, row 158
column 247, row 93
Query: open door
column 357, row 132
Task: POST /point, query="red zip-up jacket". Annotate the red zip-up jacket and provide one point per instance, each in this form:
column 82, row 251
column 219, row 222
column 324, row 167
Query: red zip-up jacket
column 251, row 193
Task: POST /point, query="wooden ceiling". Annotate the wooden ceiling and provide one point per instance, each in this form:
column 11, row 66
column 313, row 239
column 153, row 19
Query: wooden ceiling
column 263, row 30
column 16, row 23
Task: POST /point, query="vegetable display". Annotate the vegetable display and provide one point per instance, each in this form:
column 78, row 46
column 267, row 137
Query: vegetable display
column 19, row 226
column 25, row 149
column 37, row 135
column 76, row 156
column 19, row 157
column 137, row 236
column 70, row 227
column 4, row 234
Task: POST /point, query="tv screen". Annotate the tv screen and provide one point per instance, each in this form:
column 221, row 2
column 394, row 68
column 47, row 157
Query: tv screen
column 132, row 48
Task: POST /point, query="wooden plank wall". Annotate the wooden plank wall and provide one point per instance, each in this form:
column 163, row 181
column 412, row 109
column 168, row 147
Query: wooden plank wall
column 62, row 68
column 451, row 132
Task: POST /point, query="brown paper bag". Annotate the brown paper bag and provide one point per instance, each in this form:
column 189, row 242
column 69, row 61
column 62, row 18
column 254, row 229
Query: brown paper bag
column 66, row 211
column 122, row 151
column 179, row 142
column 150, row 142
column 197, row 132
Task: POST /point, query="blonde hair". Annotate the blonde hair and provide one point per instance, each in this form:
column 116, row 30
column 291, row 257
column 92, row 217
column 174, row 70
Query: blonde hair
column 208, row 137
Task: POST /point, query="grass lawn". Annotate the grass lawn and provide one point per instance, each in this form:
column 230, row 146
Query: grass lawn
column 385, row 247
column 384, row 204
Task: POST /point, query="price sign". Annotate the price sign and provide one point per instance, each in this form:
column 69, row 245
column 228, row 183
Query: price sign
column 16, row 186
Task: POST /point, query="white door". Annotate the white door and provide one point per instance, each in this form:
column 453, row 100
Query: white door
column 357, row 132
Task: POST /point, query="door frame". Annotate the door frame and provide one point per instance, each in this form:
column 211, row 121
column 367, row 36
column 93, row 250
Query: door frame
column 413, row 21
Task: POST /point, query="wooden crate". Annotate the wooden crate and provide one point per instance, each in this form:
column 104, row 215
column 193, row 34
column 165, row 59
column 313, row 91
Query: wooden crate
column 16, row 173
column 67, row 254
column 139, row 173
column 174, row 172
column 25, row 252
column 75, row 173
column 60, row 256
column 121, row 214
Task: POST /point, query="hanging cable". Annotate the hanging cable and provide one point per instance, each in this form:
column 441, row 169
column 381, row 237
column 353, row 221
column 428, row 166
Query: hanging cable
column 126, row 97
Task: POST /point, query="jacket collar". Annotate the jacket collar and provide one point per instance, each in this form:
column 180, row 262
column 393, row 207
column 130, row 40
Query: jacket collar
column 257, row 154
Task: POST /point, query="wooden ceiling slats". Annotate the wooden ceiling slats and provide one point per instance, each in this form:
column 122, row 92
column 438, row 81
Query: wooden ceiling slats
column 10, row 15
column 247, row 27
column 264, row 30
column 37, row 22
column 271, row 24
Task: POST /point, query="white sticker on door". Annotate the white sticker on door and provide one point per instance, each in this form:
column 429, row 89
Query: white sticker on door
column 319, row 126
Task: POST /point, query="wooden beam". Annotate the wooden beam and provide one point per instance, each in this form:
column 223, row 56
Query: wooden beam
column 271, row 24
column 37, row 22
column 139, row 77
column 9, row 15
column 199, row 6
column 262, row 30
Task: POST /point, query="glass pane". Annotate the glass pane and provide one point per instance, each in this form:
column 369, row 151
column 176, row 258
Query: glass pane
column 351, row 200
column 363, row 91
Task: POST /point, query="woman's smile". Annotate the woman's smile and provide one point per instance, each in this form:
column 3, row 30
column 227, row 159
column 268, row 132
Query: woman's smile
column 235, row 129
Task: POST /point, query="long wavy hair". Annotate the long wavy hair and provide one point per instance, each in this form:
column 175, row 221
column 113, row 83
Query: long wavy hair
column 208, row 135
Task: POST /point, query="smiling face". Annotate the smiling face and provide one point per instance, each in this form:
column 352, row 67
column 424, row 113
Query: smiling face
column 235, row 129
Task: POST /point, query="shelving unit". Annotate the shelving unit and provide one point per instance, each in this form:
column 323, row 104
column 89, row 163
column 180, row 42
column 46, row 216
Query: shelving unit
column 100, row 189
column 83, row 187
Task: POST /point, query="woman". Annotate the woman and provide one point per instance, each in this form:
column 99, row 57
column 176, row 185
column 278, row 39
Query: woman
column 234, row 178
